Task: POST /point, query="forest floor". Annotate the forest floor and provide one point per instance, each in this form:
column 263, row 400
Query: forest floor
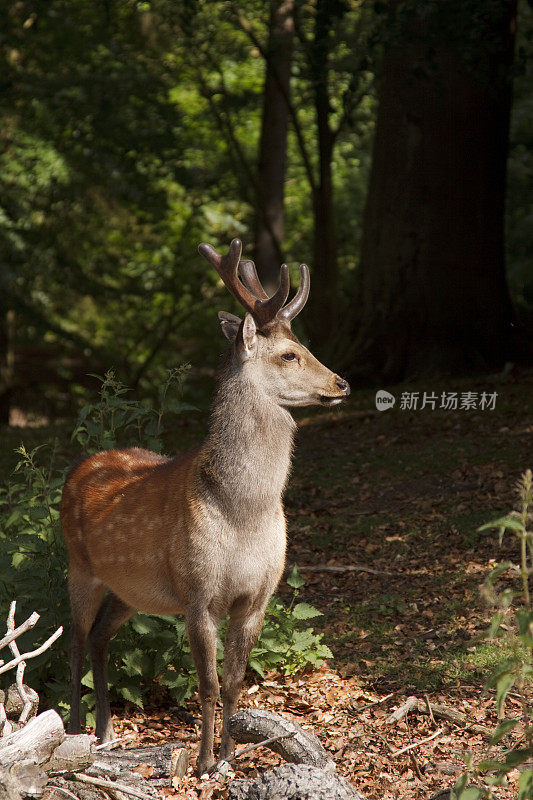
column 400, row 494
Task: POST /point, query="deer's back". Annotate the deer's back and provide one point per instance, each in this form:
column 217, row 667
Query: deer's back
column 123, row 511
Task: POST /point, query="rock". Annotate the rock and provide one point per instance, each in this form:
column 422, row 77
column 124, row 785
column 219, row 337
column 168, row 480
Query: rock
column 14, row 704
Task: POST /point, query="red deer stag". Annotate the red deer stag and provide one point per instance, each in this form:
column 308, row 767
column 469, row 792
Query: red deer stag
column 201, row 534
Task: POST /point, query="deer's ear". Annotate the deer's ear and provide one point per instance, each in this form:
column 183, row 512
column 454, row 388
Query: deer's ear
column 230, row 324
column 246, row 341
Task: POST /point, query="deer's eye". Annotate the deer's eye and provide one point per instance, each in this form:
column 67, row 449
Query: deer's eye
column 289, row 356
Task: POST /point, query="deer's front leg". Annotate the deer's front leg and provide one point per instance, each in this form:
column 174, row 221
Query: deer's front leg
column 241, row 636
column 202, row 633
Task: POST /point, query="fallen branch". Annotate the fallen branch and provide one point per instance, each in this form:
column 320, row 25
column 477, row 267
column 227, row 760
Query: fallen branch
column 354, row 710
column 410, row 705
column 341, row 569
column 417, row 744
column 37, row 740
column 258, row 726
column 264, row 743
column 296, row 781
column 248, row 749
column 62, row 789
column 439, row 712
column 75, row 753
column 416, row 768
column 111, row 744
column 110, row 786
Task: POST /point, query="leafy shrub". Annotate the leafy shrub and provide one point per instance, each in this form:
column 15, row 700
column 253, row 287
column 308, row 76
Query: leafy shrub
column 284, row 642
column 148, row 650
column 513, row 625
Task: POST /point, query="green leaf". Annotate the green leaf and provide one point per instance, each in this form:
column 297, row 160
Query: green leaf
column 525, row 626
column 295, row 579
column 256, row 665
column 305, row 611
column 469, row 793
column 497, row 571
column 87, row 680
column 324, row 651
column 133, row 694
column 459, row 785
column 144, row 625
column 490, row 765
column 84, row 413
column 133, row 662
column 525, row 785
column 38, row 512
column 495, row 623
column 504, row 522
column 517, row 757
column 503, row 685
column 502, row 730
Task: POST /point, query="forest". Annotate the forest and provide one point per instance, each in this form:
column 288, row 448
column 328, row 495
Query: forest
column 386, row 144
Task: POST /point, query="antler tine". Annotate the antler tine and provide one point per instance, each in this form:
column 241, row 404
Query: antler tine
column 300, row 298
column 250, row 278
column 227, row 267
column 270, row 305
column 275, row 303
column 264, row 309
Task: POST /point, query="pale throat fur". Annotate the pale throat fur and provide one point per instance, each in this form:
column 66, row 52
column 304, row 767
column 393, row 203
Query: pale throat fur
column 246, row 457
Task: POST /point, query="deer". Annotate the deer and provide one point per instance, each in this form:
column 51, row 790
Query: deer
column 202, row 534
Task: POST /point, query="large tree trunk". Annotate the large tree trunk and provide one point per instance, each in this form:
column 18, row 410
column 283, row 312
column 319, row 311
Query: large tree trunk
column 431, row 292
column 273, row 145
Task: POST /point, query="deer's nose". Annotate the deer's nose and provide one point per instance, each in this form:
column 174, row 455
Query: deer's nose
column 343, row 385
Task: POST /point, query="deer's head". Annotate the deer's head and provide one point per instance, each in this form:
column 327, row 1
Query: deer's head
column 263, row 343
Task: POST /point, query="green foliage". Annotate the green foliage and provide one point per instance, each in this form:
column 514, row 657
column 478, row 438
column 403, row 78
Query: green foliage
column 148, row 651
column 115, row 421
column 33, row 561
column 513, row 625
column 129, row 134
column 285, row 643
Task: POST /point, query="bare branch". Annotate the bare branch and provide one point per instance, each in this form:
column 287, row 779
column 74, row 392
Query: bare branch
column 32, row 653
column 14, row 634
column 417, row 744
column 110, row 786
column 264, row 743
column 341, row 569
column 354, row 710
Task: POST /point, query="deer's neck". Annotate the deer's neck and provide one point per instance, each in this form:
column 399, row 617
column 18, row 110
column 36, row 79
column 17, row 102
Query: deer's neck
column 246, row 456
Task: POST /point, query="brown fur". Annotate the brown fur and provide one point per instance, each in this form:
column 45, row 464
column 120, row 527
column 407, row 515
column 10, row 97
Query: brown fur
column 202, row 535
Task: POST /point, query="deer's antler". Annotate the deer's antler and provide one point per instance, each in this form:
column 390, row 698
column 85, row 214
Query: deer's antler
column 248, row 289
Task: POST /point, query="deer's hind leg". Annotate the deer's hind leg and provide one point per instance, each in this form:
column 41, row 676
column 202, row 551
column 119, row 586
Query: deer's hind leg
column 112, row 614
column 86, row 595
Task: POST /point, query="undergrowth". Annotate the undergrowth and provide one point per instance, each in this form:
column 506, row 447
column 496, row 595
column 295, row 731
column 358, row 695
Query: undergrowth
column 507, row 589
column 148, row 650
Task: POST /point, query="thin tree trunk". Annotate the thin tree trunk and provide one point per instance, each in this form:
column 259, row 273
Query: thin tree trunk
column 7, row 363
column 269, row 230
column 431, row 291
column 324, row 295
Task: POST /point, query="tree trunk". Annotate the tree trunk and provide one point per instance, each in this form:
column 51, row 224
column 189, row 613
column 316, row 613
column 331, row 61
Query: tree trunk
column 273, row 145
column 322, row 300
column 7, row 362
column 431, row 292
